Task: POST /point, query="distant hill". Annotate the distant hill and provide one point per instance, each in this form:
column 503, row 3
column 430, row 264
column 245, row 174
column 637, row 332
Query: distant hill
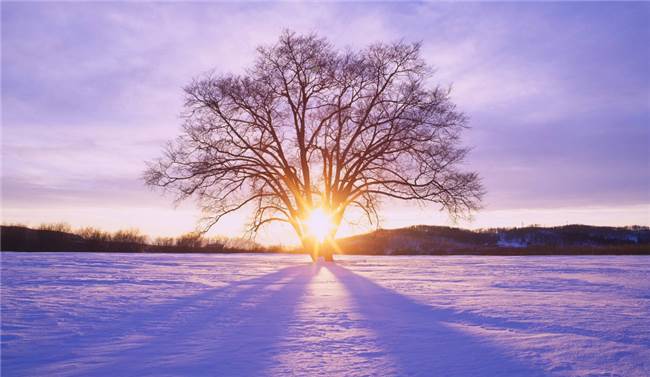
column 569, row 239
column 21, row 238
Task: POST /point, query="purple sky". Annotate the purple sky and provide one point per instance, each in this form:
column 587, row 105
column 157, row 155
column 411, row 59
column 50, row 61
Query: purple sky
column 558, row 95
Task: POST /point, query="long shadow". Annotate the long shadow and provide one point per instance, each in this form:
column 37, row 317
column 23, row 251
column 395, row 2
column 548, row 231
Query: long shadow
column 421, row 339
column 225, row 331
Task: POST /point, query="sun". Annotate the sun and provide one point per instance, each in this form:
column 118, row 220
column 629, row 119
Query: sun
column 319, row 224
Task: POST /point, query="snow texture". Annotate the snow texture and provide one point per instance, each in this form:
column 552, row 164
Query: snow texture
column 92, row 314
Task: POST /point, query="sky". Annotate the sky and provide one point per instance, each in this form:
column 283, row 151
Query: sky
column 558, row 97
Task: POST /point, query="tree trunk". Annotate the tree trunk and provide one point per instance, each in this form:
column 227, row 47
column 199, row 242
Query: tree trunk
column 326, row 252
column 316, row 251
column 313, row 251
column 310, row 248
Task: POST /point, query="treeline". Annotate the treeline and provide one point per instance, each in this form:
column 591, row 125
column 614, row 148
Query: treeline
column 415, row 240
column 61, row 237
column 530, row 240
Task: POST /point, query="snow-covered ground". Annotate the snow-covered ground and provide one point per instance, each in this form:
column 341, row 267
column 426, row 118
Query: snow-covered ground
column 89, row 314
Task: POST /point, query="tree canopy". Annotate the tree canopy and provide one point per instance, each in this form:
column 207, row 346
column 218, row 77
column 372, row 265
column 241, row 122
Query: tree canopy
column 309, row 126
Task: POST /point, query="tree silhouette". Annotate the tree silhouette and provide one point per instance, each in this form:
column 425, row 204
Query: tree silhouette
column 310, row 127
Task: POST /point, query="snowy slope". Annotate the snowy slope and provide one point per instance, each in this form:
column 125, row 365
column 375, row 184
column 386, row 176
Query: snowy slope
column 220, row 315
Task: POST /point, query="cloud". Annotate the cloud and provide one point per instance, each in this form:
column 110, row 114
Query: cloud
column 557, row 93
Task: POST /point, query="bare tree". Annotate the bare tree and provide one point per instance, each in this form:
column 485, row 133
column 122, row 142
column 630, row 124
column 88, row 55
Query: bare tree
column 310, row 128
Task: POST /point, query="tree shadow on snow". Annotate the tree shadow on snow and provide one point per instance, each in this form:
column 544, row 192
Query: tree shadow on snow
column 420, row 339
column 227, row 331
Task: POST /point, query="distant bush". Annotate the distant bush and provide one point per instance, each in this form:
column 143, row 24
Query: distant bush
column 241, row 244
column 129, row 236
column 192, row 240
column 164, row 241
column 93, row 234
column 56, row 227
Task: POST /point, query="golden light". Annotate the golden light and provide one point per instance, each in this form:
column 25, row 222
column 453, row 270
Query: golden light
column 319, row 224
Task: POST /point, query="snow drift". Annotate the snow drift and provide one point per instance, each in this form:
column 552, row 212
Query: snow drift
column 241, row 315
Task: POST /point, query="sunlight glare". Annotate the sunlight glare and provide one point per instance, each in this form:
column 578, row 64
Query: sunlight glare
column 319, row 224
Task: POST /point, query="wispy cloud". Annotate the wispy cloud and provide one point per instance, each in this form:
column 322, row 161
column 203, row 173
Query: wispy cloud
column 557, row 93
